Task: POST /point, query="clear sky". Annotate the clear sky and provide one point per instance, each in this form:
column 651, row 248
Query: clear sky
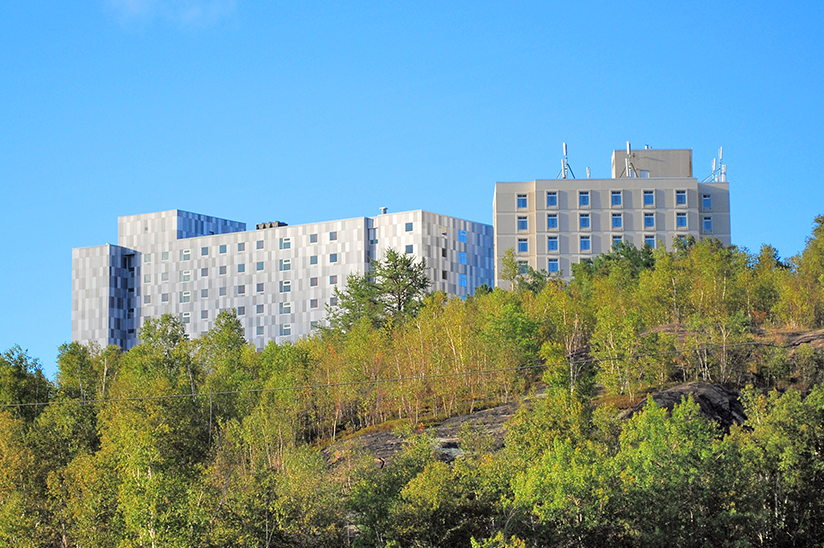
column 309, row 111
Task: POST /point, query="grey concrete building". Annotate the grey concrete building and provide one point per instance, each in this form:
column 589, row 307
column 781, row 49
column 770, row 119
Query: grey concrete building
column 279, row 278
column 651, row 199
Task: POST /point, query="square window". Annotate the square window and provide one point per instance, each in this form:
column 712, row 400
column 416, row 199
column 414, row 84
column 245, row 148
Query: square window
column 223, row 248
column 681, row 220
column 408, row 227
column 259, row 244
column 552, row 266
column 523, row 267
column 285, row 286
column 222, row 270
column 204, row 293
column 645, row 174
column 649, row 240
column 706, row 202
column 552, row 243
column 285, row 264
column 259, row 330
column 185, row 254
column 164, row 277
column 649, row 220
column 523, row 245
column 259, row 265
column 552, row 199
column 617, row 240
column 583, row 220
column 333, row 301
column 204, row 272
column 147, row 278
column 313, row 303
column 241, row 289
column 164, row 298
column 585, row 243
column 443, row 274
column 313, row 282
column 649, row 197
column 462, row 280
column 259, row 309
column 164, row 256
column 333, row 280
column 707, row 224
column 522, row 224
column 285, row 330
column 616, row 197
column 241, row 268
column 617, row 220
column 285, row 308
column 259, row 288
column 333, row 235
column 333, row 257
column 147, row 299
column 521, row 201
column 204, row 251
column 221, row 292
column 462, row 257
column 443, row 252
column 285, row 243
column 313, row 259
column 313, row 238
column 409, row 249
column 552, row 220
column 241, row 311
column 186, row 317
column 147, row 258
column 462, row 236
column 204, row 314
column 241, row 246
column 185, row 275
column 583, row 198
column 680, row 197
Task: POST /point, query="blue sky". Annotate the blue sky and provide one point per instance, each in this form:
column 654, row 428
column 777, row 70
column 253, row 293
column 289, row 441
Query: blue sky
column 310, row 111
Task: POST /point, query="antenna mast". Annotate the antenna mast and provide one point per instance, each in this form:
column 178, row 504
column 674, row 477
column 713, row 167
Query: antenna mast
column 566, row 171
column 719, row 169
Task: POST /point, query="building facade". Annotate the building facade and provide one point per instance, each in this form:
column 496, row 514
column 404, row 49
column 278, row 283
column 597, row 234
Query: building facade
column 651, row 199
column 279, row 278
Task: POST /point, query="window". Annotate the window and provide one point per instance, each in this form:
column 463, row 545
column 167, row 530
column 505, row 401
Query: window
column 408, row 227
column 552, row 266
column 314, row 324
column 285, row 329
column 285, row 308
column 583, row 198
column 521, row 201
column 583, row 220
column 241, row 311
column 443, row 252
column 333, row 235
column 259, row 288
column 259, row 265
column 552, row 243
column 241, row 268
column 223, row 248
column 617, row 220
column 649, row 197
column 241, row 246
column 616, row 240
column 462, row 257
column 285, row 243
column 185, row 254
column 649, row 220
column 645, row 174
column 241, row 289
column 204, row 272
column 313, row 259
column 409, row 249
column 462, row 236
column 680, row 220
column 164, row 298
column 147, row 258
column 164, row 277
column 222, row 270
column 333, row 280
column 552, row 220
column 259, row 244
column 204, row 314
column 680, row 197
column 204, row 251
column 259, row 309
column 333, row 258
column 259, row 330
column 462, row 280
column 313, row 238
column 285, row 264
column 649, row 240
column 147, row 278
column 522, row 224
column 204, row 293
column 221, row 292
column 185, row 317
column 164, row 256
column 443, row 274
column 333, row 301
column 285, row 286
column 523, row 267
column 585, row 243
column 707, row 224
column 552, row 199
column 616, row 198
column 185, row 275
column 706, row 202
column 313, row 303
column 313, row 282
column 147, row 299
column 523, row 245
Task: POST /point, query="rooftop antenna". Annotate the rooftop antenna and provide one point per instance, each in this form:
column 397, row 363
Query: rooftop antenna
column 719, row 170
column 630, row 169
column 587, row 173
column 566, row 171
